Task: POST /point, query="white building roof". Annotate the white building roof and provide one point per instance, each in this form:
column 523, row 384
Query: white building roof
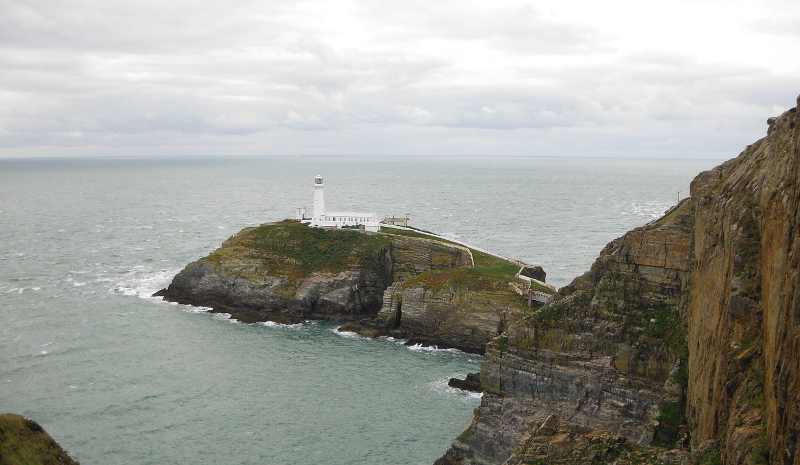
column 337, row 214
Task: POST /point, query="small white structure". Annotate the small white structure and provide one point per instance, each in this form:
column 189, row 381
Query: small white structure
column 333, row 219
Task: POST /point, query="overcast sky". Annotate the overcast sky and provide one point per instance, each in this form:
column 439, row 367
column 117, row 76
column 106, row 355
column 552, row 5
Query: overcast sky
column 692, row 79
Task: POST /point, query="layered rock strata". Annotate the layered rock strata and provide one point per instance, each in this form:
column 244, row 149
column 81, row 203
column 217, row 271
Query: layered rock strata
column 685, row 332
column 452, row 307
column 600, row 357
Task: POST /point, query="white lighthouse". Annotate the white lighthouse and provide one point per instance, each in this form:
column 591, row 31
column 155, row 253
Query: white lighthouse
column 335, row 219
column 319, row 198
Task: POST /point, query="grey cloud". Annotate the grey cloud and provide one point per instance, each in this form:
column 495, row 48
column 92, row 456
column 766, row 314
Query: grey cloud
column 520, row 28
column 784, row 26
column 243, row 76
column 140, row 27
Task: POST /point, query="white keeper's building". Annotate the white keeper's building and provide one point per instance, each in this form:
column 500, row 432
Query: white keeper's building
column 332, row 219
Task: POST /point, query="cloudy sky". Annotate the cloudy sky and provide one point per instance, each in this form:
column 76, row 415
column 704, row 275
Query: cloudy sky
column 692, row 79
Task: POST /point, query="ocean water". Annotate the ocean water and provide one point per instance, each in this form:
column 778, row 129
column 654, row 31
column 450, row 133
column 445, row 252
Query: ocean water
column 117, row 376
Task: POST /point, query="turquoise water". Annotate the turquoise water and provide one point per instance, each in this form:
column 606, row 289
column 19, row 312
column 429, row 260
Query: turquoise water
column 119, row 377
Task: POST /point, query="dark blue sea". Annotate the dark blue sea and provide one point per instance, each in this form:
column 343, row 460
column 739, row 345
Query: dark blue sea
column 119, row 377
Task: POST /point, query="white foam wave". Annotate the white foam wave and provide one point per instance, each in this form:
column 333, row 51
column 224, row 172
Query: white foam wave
column 402, row 342
column 192, row 308
column 20, row 290
column 652, row 209
column 433, row 348
column 347, row 334
column 143, row 282
column 125, row 291
column 225, row 317
column 272, row 324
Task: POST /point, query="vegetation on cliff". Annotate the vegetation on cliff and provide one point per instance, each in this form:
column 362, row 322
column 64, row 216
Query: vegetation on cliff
column 292, row 250
column 25, row 442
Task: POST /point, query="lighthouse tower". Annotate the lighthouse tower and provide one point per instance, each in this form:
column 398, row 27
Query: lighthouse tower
column 319, row 199
column 335, row 219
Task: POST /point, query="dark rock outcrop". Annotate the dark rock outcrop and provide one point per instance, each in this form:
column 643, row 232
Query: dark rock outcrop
column 471, row 383
column 535, row 272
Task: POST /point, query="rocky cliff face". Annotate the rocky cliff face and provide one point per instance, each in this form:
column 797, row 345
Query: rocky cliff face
column 602, row 358
column 282, row 273
column 744, row 308
column 684, row 333
column 447, row 308
column 425, row 290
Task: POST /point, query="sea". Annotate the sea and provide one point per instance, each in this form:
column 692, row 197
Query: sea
column 117, row 376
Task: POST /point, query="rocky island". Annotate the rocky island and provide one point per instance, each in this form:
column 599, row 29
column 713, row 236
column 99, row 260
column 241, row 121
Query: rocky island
column 398, row 282
column 681, row 344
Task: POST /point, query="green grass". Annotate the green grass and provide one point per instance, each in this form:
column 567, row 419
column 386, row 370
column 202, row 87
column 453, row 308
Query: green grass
column 672, row 215
column 311, row 249
column 668, row 327
column 502, row 342
column 24, row 442
column 550, row 314
column 464, row 278
column 403, row 232
column 759, row 455
column 670, row 419
column 756, row 396
column 294, row 250
column 713, row 457
column 486, row 265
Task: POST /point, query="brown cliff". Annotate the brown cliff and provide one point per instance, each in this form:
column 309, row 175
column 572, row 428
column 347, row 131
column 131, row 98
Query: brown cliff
column 685, row 333
column 744, row 308
column 602, row 358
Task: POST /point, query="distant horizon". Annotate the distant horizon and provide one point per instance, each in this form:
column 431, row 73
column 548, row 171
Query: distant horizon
column 232, row 157
column 661, row 79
